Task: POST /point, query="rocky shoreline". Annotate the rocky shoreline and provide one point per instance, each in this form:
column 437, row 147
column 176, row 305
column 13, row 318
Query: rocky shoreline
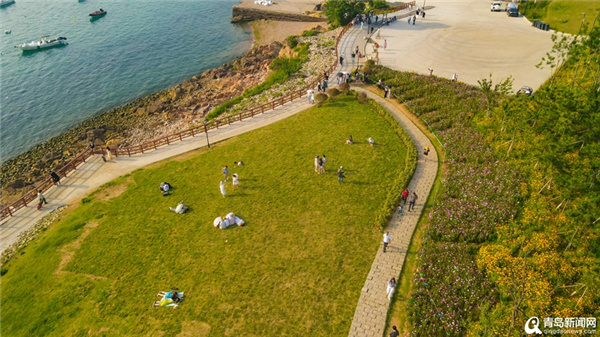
column 153, row 116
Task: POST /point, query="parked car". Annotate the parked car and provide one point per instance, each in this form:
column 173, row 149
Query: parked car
column 496, row 6
column 525, row 90
column 512, row 9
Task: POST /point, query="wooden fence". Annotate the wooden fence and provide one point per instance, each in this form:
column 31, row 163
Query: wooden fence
column 179, row 136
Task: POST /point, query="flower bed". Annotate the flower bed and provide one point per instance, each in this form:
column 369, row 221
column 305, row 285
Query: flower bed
column 479, row 193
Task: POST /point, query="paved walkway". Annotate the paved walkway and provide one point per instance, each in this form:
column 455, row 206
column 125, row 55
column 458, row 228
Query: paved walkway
column 371, row 312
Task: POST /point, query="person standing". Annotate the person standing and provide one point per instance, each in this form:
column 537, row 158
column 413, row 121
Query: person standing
column 325, row 76
column 401, row 209
column 386, row 240
column 362, row 24
column 454, row 77
column 323, row 161
column 394, row 332
column 226, row 172
column 356, row 50
column 353, row 55
column 414, row 19
column 391, row 287
column 317, row 160
column 430, row 71
column 409, row 20
column 108, row 154
column 411, row 203
column 341, row 174
column 235, row 180
column 384, row 44
column 404, row 196
column 319, row 86
column 222, row 188
column 423, row 14
column 425, row 153
column 341, row 60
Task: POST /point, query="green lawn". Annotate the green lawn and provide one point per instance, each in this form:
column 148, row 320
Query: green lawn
column 296, row 269
column 562, row 15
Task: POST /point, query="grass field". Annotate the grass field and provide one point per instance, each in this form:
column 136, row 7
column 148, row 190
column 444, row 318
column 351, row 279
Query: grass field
column 295, row 269
column 562, row 15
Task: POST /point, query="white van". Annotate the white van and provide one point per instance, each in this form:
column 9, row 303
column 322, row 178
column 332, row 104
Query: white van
column 496, row 6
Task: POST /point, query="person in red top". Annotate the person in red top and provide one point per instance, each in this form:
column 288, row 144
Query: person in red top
column 404, row 196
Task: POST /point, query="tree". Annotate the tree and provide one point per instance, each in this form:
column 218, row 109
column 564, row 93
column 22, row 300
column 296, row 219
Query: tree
column 340, row 12
column 493, row 92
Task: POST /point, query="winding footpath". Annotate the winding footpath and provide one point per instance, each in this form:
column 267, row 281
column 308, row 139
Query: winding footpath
column 372, row 309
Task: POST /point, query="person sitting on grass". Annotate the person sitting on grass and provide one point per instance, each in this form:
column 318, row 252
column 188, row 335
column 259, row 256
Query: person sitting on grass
column 371, row 141
column 164, row 187
column 238, row 163
column 180, row 209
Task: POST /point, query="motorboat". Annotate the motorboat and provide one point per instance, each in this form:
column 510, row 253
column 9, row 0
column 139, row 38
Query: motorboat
column 6, row 2
column 101, row 12
column 43, row 43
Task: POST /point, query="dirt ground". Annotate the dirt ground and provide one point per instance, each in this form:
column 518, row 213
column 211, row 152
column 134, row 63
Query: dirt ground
column 267, row 31
column 285, row 6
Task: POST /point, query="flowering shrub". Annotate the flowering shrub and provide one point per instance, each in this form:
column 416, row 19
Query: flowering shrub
column 479, row 193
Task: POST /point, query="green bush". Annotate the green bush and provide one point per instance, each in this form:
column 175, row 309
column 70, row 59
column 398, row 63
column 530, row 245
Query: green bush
column 402, row 180
column 310, row 32
column 344, row 87
column 292, row 41
column 321, row 97
column 362, row 97
column 333, row 92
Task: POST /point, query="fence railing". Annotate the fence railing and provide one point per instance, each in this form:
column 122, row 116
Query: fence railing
column 193, row 131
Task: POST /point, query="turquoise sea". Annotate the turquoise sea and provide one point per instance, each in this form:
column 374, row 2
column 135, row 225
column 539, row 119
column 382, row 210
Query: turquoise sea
column 137, row 48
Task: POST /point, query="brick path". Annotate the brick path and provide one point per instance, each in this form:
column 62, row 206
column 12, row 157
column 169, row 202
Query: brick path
column 371, row 312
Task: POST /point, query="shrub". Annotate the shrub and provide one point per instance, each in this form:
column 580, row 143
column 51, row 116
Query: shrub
column 321, row 97
column 333, row 92
column 292, row 41
column 362, row 97
column 310, row 32
column 86, row 200
column 344, row 87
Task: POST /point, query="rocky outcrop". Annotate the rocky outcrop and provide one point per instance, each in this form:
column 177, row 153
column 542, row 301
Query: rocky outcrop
column 157, row 115
column 242, row 14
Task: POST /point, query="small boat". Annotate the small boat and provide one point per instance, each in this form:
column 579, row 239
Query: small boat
column 6, row 2
column 98, row 13
column 45, row 42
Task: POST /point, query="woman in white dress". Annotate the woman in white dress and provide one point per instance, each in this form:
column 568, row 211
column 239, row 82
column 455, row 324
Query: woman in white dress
column 222, row 186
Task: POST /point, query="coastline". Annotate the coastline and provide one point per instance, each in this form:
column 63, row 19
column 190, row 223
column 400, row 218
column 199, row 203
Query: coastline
column 152, row 116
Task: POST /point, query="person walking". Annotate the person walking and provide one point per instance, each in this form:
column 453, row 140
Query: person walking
column 394, row 332
column 425, row 153
column 55, row 178
column 414, row 19
column 342, row 60
column 356, row 50
column 411, row 203
column 391, row 287
column 384, row 44
column 353, row 55
column 226, row 172
column 404, row 196
column 108, row 154
column 319, row 86
column 362, row 24
column 423, row 14
column 409, row 20
column 42, row 198
column 341, row 174
column 401, row 209
column 310, row 94
column 386, row 240
column 222, row 188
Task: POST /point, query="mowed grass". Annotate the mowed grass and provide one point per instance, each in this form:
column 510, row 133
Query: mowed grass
column 296, row 268
column 563, row 15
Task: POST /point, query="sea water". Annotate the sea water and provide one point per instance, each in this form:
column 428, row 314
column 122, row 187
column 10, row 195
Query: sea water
column 138, row 47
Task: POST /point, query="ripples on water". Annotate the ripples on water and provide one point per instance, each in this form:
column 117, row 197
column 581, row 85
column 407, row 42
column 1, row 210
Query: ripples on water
column 137, row 48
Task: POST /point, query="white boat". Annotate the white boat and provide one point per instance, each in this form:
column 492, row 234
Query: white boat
column 45, row 42
column 6, row 2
